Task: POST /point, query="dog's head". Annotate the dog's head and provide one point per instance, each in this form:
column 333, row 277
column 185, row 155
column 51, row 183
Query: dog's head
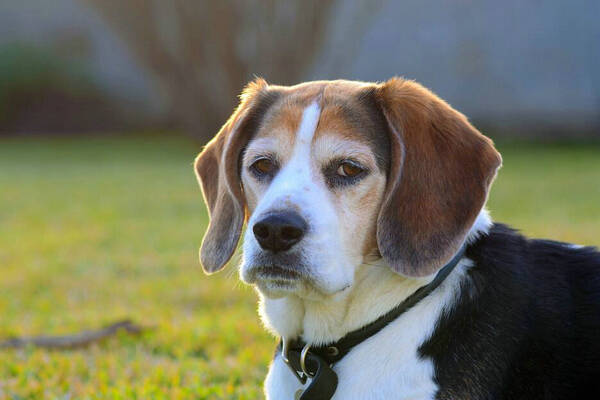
column 328, row 175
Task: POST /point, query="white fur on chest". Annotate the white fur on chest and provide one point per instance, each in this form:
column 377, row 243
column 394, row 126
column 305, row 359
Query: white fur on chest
column 387, row 365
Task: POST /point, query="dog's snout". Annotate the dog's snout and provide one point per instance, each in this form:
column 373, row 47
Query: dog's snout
column 279, row 232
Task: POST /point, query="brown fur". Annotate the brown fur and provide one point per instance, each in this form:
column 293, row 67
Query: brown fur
column 442, row 168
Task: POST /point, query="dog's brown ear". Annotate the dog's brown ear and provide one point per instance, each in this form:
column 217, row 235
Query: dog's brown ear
column 217, row 170
column 440, row 173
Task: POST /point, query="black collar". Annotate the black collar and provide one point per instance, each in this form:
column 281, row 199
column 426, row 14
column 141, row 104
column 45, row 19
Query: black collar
column 316, row 362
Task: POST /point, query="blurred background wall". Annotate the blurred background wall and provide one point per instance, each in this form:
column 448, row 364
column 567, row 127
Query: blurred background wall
column 516, row 68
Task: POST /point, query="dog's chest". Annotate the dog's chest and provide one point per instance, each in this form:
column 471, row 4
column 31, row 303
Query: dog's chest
column 386, row 366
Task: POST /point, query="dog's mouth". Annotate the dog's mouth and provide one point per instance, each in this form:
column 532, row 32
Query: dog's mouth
column 275, row 280
column 286, row 274
column 285, row 269
column 275, row 273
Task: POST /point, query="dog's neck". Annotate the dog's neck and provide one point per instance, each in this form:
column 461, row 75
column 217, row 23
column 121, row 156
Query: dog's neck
column 376, row 290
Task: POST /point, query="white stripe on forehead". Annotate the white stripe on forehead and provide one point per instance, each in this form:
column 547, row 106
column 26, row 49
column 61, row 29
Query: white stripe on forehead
column 308, row 126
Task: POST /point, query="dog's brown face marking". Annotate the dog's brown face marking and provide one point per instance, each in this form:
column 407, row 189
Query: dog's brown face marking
column 386, row 168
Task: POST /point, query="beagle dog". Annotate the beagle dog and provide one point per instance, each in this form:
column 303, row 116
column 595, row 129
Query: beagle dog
column 375, row 260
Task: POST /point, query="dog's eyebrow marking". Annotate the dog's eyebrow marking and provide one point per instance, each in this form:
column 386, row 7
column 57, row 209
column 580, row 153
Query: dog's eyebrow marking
column 260, row 146
column 330, row 146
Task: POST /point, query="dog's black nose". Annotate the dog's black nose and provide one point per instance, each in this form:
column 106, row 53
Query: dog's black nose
column 279, row 232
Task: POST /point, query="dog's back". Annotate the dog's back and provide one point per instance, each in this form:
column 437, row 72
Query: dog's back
column 526, row 325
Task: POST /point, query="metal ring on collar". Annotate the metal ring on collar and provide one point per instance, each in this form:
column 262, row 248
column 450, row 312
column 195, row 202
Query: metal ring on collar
column 303, row 360
column 285, row 345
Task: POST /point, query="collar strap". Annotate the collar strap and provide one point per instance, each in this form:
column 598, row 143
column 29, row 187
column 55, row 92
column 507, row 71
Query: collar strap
column 316, row 361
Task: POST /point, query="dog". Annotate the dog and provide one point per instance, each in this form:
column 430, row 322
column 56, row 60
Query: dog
column 375, row 260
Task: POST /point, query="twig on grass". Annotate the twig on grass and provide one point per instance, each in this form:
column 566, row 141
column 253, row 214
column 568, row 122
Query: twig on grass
column 81, row 339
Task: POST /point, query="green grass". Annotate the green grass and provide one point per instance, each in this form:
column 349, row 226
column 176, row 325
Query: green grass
column 93, row 230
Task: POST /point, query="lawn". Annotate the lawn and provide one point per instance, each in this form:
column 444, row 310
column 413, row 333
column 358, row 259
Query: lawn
column 93, row 230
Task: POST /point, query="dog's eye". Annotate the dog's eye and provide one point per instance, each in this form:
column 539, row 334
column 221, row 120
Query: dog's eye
column 263, row 167
column 340, row 173
column 349, row 170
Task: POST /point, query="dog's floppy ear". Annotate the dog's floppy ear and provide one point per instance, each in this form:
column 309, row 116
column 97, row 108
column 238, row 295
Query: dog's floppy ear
column 440, row 173
column 217, row 170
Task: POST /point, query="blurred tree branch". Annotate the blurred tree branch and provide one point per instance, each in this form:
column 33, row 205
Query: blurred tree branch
column 81, row 339
column 203, row 52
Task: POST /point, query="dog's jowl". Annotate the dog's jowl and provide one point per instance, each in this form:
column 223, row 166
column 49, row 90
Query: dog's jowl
column 374, row 259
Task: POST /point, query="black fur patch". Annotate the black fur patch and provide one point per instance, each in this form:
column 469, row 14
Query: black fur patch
column 526, row 326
